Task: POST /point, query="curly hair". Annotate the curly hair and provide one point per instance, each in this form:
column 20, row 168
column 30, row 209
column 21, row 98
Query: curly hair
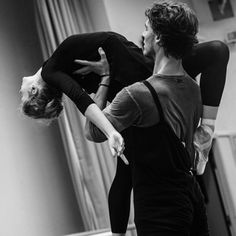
column 46, row 104
column 176, row 26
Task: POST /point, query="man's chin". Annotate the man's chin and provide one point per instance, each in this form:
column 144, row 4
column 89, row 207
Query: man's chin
column 144, row 52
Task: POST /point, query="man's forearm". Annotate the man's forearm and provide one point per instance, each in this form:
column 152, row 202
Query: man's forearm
column 101, row 94
column 100, row 98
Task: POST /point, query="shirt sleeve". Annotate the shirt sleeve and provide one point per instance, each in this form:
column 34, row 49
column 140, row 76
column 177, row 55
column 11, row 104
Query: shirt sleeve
column 123, row 112
column 55, row 77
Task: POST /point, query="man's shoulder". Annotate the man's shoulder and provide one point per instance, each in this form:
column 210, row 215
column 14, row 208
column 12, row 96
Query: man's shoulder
column 136, row 89
column 139, row 94
column 193, row 85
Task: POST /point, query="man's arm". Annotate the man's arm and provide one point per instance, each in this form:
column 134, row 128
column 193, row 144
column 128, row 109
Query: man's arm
column 101, row 68
column 123, row 112
column 100, row 99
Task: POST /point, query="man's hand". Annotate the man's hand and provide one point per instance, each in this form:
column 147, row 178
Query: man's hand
column 117, row 146
column 98, row 67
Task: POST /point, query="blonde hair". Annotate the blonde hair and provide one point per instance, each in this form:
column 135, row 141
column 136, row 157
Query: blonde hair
column 46, row 104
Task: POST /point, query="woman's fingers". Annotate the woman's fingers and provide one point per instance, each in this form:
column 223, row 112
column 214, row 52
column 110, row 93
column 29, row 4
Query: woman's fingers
column 120, row 150
column 122, row 156
column 117, row 146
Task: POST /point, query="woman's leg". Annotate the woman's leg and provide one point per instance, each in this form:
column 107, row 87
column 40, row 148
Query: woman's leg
column 210, row 59
column 119, row 199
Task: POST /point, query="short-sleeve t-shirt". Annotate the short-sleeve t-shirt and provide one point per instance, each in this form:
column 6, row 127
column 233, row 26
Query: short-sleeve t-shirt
column 134, row 106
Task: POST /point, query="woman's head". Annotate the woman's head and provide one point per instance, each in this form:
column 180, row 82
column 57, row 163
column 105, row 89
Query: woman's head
column 39, row 100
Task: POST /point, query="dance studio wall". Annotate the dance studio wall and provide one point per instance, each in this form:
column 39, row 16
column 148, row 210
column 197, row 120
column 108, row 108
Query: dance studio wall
column 127, row 17
column 36, row 196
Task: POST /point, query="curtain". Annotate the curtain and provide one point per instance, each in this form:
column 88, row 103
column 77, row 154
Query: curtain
column 91, row 165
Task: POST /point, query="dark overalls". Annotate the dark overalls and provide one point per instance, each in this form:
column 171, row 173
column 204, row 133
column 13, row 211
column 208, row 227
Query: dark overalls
column 167, row 199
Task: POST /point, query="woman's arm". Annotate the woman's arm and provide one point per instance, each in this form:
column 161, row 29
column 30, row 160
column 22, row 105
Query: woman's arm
column 62, row 81
column 115, row 140
column 101, row 67
column 121, row 112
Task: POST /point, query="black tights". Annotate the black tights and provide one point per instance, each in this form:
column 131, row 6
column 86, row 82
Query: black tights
column 119, row 198
column 210, row 59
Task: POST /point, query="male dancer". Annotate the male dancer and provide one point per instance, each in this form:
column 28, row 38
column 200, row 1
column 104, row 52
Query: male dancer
column 167, row 199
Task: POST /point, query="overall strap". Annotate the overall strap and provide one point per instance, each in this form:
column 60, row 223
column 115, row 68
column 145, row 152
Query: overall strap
column 162, row 119
column 156, row 99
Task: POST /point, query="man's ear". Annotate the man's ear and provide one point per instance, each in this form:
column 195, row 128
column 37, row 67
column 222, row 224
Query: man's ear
column 157, row 39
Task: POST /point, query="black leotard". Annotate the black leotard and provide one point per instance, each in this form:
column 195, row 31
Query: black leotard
column 128, row 65
column 124, row 56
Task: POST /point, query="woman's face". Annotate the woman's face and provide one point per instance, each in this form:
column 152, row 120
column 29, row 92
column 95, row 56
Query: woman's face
column 29, row 87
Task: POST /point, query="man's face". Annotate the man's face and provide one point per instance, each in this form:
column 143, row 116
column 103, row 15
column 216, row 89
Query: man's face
column 148, row 40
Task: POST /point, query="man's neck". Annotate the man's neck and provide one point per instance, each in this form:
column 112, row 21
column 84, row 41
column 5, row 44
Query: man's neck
column 167, row 65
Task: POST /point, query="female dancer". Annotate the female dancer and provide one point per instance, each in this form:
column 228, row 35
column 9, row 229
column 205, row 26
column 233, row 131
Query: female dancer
column 128, row 65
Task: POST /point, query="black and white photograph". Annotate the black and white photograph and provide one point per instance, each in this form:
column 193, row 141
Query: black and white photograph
column 118, row 118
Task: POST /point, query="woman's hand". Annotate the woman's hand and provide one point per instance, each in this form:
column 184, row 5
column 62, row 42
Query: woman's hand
column 117, row 145
column 98, row 67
